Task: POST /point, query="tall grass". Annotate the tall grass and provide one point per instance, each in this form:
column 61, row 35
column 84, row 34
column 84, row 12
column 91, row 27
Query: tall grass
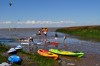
column 87, row 32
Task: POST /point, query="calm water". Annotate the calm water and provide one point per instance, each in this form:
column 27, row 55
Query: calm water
column 11, row 36
column 91, row 49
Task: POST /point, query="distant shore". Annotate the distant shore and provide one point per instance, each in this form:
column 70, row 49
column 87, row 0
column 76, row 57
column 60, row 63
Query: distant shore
column 83, row 32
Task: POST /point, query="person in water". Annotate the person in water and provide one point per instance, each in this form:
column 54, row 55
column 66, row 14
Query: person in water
column 65, row 36
column 14, row 58
column 30, row 39
column 56, row 37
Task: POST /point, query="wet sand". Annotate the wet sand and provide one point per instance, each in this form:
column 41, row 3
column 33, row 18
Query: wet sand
column 91, row 49
column 91, row 57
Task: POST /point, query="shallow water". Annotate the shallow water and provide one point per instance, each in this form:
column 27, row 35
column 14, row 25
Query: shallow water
column 91, row 49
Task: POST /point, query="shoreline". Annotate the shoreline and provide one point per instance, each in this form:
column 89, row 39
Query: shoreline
column 91, row 49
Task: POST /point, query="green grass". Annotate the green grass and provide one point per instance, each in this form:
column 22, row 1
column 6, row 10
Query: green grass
column 43, row 61
column 88, row 32
column 29, row 59
column 3, row 48
column 2, row 59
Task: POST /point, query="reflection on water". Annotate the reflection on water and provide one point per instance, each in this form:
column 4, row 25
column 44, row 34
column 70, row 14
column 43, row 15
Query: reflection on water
column 91, row 49
column 6, row 40
column 12, row 38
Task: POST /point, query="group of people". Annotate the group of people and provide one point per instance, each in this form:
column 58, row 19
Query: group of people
column 56, row 37
column 45, row 30
column 42, row 31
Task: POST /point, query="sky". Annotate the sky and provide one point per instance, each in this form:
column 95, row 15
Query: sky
column 49, row 13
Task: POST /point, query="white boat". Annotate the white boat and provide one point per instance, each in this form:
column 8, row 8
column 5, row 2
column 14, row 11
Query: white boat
column 26, row 43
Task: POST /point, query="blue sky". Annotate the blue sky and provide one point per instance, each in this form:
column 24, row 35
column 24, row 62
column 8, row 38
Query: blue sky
column 49, row 13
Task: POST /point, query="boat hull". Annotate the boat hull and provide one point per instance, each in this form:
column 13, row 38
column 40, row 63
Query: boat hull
column 46, row 53
column 68, row 53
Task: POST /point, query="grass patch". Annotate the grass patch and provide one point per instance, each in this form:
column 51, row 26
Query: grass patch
column 43, row 61
column 85, row 32
column 2, row 59
column 3, row 48
column 29, row 59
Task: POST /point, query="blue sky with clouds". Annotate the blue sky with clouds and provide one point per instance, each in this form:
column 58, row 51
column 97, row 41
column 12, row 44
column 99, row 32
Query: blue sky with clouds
column 49, row 13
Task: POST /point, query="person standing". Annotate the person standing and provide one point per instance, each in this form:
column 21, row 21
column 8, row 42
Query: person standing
column 39, row 34
column 30, row 45
column 56, row 37
column 65, row 36
column 30, row 39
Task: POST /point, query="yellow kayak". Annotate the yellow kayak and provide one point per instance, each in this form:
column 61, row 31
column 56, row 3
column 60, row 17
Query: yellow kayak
column 68, row 53
column 47, row 54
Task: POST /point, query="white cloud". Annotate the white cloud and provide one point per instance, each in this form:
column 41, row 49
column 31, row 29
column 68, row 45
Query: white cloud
column 32, row 23
column 6, row 22
column 38, row 22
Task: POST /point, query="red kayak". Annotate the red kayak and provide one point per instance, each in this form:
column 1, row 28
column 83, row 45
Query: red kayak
column 54, row 43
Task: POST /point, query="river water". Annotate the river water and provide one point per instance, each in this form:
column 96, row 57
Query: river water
column 91, row 49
